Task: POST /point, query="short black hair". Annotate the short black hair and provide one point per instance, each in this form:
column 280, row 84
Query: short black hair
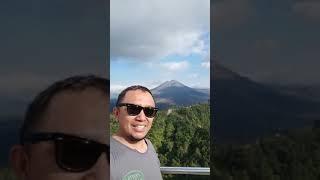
column 132, row 88
column 37, row 108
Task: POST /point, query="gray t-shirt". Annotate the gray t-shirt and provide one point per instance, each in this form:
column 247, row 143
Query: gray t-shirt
column 129, row 164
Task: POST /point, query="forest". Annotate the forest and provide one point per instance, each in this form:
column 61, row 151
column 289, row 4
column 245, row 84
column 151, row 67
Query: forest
column 291, row 155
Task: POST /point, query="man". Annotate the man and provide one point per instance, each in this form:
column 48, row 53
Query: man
column 65, row 133
column 132, row 155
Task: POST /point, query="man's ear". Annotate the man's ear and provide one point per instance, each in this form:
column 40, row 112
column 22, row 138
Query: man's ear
column 19, row 161
column 116, row 112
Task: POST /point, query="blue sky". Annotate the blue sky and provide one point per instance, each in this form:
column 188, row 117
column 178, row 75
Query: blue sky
column 192, row 70
column 153, row 42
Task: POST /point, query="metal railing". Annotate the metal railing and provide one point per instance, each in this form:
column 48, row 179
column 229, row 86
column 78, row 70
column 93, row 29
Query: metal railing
column 186, row 170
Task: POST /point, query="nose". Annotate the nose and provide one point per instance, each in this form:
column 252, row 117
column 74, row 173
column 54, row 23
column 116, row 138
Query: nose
column 141, row 116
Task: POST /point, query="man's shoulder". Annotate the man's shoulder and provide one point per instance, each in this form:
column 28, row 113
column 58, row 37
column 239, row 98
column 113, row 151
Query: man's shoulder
column 125, row 161
column 113, row 140
column 150, row 145
column 116, row 147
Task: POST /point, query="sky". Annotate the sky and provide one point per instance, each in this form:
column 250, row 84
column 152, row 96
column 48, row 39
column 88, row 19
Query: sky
column 43, row 41
column 268, row 41
column 154, row 41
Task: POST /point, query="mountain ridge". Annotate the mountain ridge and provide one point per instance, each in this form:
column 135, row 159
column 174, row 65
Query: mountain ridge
column 173, row 92
column 245, row 109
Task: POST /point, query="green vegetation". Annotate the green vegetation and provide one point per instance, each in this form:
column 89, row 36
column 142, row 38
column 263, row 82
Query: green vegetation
column 181, row 137
column 6, row 174
column 291, row 156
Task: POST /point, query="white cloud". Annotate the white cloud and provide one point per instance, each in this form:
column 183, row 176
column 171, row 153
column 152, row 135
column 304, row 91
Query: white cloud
column 150, row 29
column 116, row 88
column 176, row 66
column 206, row 64
column 153, row 84
column 206, row 61
column 185, row 43
column 201, row 84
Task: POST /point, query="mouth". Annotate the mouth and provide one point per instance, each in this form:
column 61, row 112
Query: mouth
column 139, row 128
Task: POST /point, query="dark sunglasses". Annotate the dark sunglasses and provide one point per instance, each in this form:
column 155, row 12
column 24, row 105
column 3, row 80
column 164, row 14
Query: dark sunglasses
column 134, row 110
column 74, row 154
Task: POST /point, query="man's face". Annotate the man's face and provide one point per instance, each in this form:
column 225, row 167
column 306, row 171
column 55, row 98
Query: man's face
column 82, row 114
column 134, row 128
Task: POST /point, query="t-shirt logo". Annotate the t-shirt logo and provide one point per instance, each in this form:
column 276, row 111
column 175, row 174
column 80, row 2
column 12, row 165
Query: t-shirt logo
column 134, row 175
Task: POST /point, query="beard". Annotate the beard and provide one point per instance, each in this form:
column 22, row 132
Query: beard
column 134, row 139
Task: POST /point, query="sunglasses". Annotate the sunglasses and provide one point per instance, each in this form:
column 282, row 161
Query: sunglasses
column 72, row 153
column 134, row 110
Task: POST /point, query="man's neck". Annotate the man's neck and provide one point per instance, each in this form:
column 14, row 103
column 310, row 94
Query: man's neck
column 140, row 145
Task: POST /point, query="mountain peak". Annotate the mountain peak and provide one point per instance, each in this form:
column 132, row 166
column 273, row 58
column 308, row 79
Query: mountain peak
column 171, row 83
column 175, row 93
column 167, row 84
column 221, row 72
column 174, row 83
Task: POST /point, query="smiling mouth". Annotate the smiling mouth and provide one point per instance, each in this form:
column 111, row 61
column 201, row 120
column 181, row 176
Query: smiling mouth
column 139, row 127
